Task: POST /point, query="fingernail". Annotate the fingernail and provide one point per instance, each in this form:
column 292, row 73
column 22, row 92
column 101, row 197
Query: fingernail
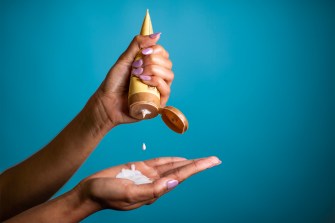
column 153, row 36
column 216, row 162
column 137, row 71
column 137, row 63
column 147, row 51
column 172, row 184
column 145, row 77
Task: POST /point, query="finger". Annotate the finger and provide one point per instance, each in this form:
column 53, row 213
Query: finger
column 109, row 172
column 160, row 84
column 162, row 169
column 151, row 201
column 159, row 50
column 139, row 204
column 147, row 192
column 159, row 187
column 159, row 71
column 155, row 54
column 144, row 166
column 162, row 160
column 155, row 60
column 182, row 173
column 113, row 171
column 139, row 42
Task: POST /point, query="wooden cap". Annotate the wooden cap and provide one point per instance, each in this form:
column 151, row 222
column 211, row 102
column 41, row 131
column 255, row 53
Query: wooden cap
column 174, row 119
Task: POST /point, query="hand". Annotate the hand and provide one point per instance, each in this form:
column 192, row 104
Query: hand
column 154, row 69
column 104, row 191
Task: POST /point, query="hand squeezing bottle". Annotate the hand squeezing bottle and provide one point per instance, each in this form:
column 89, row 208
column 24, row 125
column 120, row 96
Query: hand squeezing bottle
column 144, row 100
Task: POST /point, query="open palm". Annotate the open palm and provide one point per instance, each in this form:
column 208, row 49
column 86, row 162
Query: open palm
column 122, row 194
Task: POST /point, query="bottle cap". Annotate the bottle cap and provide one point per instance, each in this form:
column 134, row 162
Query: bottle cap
column 174, row 119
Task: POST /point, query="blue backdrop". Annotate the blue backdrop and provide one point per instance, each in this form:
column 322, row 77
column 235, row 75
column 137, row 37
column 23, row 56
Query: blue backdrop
column 255, row 79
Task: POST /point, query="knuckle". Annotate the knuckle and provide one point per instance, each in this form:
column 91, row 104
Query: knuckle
column 161, row 50
column 158, row 47
column 156, row 69
column 158, row 82
column 137, row 38
column 172, row 76
column 154, row 82
column 140, row 41
column 167, row 91
column 150, row 59
column 150, row 69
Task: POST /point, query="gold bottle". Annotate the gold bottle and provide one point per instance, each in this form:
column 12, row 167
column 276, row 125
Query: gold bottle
column 144, row 100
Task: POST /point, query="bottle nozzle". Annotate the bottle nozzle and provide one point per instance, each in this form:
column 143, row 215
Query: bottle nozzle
column 145, row 112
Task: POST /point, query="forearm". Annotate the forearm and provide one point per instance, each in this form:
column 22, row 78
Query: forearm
column 68, row 208
column 36, row 179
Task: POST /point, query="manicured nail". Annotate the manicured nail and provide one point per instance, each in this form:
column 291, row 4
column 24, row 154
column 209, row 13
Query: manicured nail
column 137, row 63
column 153, row 36
column 145, row 77
column 147, row 51
column 172, row 184
column 137, row 71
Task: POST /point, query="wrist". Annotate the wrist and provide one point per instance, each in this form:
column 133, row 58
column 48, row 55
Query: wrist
column 72, row 206
column 81, row 205
column 96, row 116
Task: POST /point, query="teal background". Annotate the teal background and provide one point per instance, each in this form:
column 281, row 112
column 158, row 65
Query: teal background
column 255, row 79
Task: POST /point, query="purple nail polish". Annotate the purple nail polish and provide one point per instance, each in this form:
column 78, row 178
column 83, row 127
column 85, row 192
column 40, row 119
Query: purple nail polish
column 147, row 51
column 137, row 71
column 137, row 63
column 145, row 77
column 172, row 184
column 153, row 36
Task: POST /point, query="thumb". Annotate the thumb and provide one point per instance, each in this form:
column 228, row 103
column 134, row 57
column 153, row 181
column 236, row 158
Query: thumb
column 139, row 42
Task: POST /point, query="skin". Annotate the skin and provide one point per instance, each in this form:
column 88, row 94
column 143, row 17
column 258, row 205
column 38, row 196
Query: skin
column 25, row 188
column 103, row 191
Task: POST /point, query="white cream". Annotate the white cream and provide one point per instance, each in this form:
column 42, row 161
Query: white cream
column 134, row 175
column 145, row 112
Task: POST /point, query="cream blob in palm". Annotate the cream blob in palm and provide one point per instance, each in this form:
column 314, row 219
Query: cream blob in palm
column 134, row 175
